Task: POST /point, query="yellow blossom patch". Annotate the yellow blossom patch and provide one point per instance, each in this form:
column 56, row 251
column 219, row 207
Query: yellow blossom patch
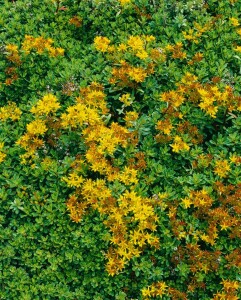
column 101, row 43
column 136, row 43
column 126, row 99
column 74, row 180
column 40, row 44
column 37, row 127
column 179, row 145
column 10, row 111
column 2, row 156
column 137, row 74
column 124, row 2
column 48, row 104
column 234, row 21
column 222, row 168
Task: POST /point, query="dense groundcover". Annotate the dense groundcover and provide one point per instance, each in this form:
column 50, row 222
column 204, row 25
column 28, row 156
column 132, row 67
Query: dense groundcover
column 120, row 149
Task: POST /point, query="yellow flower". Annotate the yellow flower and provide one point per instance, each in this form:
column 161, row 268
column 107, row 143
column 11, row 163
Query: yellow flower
column 40, row 44
column 142, row 54
column 111, row 48
column 126, row 99
column 165, row 126
column 122, row 47
column 10, row 111
column 179, row 145
column 228, row 284
column 238, row 49
column 135, row 42
column 130, row 118
column 186, row 202
column 101, row 43
column 224, row 225
column 128, row 176
column 12, row 48
column 74, row 180
column 239, row 31
column 234, row 21
column 37, row 127
column 59, row 51
column 45, row 106
column 221, row 168
column 137, row 74
column 146, row 292
column 124, row 2
column 235, row 159
column 2, row 156
column 150, row 38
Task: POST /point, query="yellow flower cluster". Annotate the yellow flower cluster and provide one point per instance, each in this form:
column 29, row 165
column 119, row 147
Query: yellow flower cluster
column 124, row 2
column 90, row 108
column 10, row 111
column 193, row 34
column 2, row 155
column 164, row 126
column 156, row 289
column 130, row 118
column 129, row 243
column 106, row 139
column 213, row 95
column 126, row 74
column 179, row 145
column 208, row 96
column 93, row 96
column 197, row 199
column 222, row 168
column 13, row 54
column 138, row 45
column 101, row 43
column 74, row 180
column 176, row 50
column 48, row 104
column 30, row 141
column 137, row 74
column 234, row 22
column 230, row 290
column 229, row 285
column 173, row 98
column 40, row 44
column 79, row 115
column 120, row 214
column 126, row 99
column 36, row 127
